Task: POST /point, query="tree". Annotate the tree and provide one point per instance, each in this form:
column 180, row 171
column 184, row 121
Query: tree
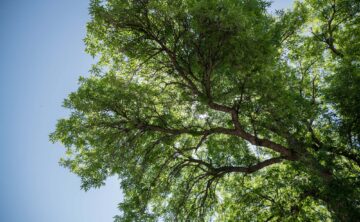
column 219, row 110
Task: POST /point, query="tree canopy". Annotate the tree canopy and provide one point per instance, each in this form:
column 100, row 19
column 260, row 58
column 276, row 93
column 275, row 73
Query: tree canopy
column 218, row 110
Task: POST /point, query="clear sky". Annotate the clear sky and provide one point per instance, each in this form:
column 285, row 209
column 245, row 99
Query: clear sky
column 41, row 58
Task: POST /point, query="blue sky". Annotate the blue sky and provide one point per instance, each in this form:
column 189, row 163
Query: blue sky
column 41, row 58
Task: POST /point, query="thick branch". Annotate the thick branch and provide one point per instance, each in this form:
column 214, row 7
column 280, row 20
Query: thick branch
column 250, row 169
column 254, row 140
column 237, row 169
column 219, row 130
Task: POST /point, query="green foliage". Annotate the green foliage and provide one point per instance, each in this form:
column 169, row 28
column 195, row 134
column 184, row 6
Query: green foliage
column 220, row 111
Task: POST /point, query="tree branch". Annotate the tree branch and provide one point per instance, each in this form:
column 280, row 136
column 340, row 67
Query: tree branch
column 250, row 169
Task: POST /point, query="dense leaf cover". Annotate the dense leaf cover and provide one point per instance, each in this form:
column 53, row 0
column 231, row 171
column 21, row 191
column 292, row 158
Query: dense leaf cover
column 217, row 110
